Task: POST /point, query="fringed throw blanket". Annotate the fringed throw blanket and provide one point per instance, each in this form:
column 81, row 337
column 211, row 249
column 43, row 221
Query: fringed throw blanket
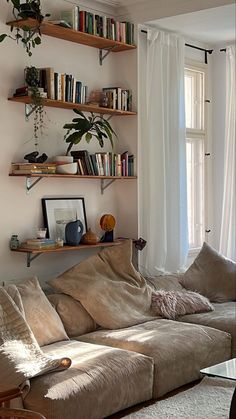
column 20, row 355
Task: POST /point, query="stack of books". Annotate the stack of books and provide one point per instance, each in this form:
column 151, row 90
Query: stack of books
column 39, row 244
column 98, row 25
column 33, row 168
column 118, row 98
column 104, row 164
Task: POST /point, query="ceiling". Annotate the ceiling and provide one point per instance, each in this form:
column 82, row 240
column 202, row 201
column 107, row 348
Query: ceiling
column 211, row 26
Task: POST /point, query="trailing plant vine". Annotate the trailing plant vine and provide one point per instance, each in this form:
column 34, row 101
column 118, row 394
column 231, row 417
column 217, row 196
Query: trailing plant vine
column 32, row 80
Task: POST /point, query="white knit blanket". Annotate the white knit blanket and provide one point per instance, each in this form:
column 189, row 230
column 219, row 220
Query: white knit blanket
column 20, row 355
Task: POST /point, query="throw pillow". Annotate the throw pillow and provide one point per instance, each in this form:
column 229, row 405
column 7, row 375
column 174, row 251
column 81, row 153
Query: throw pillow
column 171, row 304
column 76, row 320
column 41, row 317
column 20, row 355
column 212, row 275
column 109, row 288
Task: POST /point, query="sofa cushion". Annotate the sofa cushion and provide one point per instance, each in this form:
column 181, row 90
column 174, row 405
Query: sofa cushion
column 100, row 382
column 165, row 282
column 75, row 318
column 171, row 304
column 20, row 355
column 212, row 275
column 223, row 318
column 179, row 350
column 41, row 317
column 109, row 288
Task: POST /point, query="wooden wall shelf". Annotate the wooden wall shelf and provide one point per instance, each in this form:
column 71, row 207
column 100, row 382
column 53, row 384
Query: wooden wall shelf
column 72, row 35
column 33, row 253
column 33, row 179
column 69, row 105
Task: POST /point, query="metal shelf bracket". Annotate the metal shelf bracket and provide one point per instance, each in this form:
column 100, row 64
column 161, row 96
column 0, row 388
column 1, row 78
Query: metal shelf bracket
column 30, row 183
column 103, row 53
column 31, row 257
column 29, row 109
column 105, row 185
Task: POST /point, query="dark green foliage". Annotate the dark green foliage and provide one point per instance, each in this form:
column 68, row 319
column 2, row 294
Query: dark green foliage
column 28, row 36
column 90, row 126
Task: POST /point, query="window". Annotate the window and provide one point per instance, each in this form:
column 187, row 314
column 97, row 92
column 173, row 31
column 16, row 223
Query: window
column 195, row 145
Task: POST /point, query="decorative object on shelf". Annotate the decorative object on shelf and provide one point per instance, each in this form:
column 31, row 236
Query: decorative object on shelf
column 67, row 169
column 62, row 159
column 107, row 224
column 73, row 232
column 58, row 212
column 32, row 81
column 30, row 36
column 90, row 237
column 94, row 125
column 140, row 243
column 41, row 233
column 35, row 158
column 14, row 242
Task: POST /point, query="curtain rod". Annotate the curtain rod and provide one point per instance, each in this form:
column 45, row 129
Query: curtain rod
column 207, row 51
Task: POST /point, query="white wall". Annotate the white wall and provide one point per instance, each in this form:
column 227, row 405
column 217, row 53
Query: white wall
column 21, row 213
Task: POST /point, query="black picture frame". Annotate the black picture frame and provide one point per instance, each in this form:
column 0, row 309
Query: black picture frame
column 57, row 212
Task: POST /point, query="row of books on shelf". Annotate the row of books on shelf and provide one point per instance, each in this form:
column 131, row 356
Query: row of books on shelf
column 104, row 164
column 57, row 86
column 66, row 88
column 118, row 98
column 98, row 25
column 97, row 164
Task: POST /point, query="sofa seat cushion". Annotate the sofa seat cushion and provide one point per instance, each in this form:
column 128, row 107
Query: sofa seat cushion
column 100, row 382
column 179, row 350
column 223, row 318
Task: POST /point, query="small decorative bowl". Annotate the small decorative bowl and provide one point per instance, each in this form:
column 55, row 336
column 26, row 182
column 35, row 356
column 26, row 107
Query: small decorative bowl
column 62, row 159
column 67, row 169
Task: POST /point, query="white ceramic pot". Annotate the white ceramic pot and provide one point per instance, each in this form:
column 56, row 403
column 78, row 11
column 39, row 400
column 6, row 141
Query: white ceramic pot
column 67, row 169
column 62, row 159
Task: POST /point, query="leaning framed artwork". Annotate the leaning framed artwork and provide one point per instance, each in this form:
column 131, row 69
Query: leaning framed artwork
column 57, row 212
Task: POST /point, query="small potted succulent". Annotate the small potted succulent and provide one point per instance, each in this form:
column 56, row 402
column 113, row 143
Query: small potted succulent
column 91, row 126
column 29, row 36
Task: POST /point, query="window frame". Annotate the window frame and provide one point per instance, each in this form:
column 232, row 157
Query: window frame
column 202, row 134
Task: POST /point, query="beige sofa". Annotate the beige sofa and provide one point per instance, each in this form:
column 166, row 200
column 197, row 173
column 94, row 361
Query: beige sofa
column 115, row 369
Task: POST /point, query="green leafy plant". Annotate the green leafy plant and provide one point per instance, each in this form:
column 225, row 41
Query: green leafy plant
column 29, row 36
column 91, row 126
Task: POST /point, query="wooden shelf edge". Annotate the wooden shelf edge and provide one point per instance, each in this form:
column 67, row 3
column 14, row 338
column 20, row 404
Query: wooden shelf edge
column 67, row 248
column 72, row 35
column 57, row 175
column 69, row 105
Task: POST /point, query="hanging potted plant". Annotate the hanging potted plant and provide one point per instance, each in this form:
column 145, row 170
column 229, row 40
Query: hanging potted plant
column 32, row 81
column 88, row 127
column 29, row 36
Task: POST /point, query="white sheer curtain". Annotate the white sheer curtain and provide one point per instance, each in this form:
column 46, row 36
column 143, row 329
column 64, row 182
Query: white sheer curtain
column 228, row 222
column 162, row 153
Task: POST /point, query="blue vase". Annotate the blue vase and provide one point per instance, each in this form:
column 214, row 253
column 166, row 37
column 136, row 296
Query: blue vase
column 73, row 232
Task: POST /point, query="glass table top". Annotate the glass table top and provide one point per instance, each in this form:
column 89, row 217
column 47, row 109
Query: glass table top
column 225, row 369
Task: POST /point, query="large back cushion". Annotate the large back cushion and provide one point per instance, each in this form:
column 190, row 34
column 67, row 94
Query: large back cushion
column 41, row 317
column 212, row 275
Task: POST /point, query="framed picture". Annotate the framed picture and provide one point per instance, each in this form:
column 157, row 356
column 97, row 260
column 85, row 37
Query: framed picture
column 57, row 212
